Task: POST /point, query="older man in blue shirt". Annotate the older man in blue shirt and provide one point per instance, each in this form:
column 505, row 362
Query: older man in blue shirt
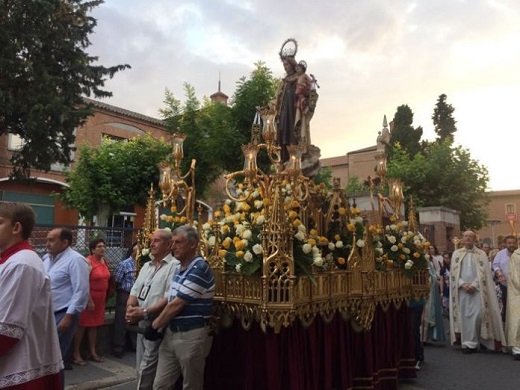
column 69, row 274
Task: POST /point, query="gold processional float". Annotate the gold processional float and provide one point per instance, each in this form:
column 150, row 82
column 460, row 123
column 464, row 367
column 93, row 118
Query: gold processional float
column 384, row 264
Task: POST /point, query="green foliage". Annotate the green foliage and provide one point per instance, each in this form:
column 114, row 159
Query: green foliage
column 444, row 175
column 254, row 92
column 355, row 185
column 114, row 174
column 403, row 133
column 44, row 72
column 443, row 121
column 324, row 176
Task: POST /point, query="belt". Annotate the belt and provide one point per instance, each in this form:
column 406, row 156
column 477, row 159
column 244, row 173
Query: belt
column 64, row 310
column 186, row 328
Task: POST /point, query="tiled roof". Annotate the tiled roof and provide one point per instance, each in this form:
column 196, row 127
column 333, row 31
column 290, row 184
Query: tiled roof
column 122, row 111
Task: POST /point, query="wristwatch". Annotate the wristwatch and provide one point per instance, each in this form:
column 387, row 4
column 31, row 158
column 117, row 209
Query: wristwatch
column 145, row 314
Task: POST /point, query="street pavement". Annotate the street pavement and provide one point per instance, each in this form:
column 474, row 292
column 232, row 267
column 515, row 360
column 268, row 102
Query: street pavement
column 445, row 368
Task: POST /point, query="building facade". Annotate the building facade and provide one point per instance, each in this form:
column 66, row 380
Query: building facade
column 108, row 121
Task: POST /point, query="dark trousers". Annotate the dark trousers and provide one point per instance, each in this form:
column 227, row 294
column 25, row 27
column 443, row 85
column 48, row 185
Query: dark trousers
column 417, row 312
column 120, row 332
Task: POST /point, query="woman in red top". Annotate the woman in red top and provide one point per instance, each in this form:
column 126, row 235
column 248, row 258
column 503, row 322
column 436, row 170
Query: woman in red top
column 94, row 315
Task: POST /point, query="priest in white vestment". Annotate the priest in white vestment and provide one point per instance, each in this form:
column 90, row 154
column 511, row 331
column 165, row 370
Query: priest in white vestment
column 474, row 312
column 513, row 305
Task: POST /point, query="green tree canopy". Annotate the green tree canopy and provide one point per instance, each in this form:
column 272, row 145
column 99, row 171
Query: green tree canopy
column 114, row 175
column 443, row 121
column 444, row 175
column 403, row 133
column 44, row 72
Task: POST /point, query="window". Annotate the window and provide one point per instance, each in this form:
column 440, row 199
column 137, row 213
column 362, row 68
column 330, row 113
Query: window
column 510, row 211
column 62, row 167
column 14, row 142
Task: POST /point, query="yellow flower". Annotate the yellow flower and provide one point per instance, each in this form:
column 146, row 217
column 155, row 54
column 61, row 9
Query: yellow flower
column 341, row 260
column 311, row 241
column 292, row 214
column 342, row 211
column 218, row 214
column 183, row 220
column 169, row 219
column 266, row 201
column 402, row 256
column 393, row 219
column 173, row 209
column 225, row 229
column 351, row 227
column 324, row 240
column 239, row 254
column 226, row 244
column 295, row 204
column 296, row 223
column 400, row 245
column 313, row 232
column 416, row 255
column 239, row 245
column 246, row 207
column 390, row 263
column 226, row 208
column 354, row 210
column 222, row 253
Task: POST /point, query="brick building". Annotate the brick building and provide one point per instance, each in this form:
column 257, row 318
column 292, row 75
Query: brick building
column 107, row 121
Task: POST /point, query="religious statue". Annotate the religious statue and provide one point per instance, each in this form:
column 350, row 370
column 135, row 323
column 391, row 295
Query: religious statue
column 295, row 100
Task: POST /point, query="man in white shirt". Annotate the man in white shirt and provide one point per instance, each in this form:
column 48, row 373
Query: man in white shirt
column 69, row 273
column 146, row 302
column 501, row 268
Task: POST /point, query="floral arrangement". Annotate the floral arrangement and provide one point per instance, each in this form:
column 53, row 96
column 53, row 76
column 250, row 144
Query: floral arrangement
column 240, row 233
column 397, row 247
column 345, row 227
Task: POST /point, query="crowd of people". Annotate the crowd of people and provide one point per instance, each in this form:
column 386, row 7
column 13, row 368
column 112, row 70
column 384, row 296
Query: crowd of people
column 49, row 304
column 477, row 289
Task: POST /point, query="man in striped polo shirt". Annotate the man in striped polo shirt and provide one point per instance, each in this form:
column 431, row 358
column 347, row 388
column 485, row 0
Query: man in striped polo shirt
column 186, row 316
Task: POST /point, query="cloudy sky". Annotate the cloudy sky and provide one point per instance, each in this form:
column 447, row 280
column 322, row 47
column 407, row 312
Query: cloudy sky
column 369, row 57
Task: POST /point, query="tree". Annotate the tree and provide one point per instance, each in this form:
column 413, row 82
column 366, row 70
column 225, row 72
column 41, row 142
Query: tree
column 444, row 175
column 44, row 72
column 443, row 121
column 114, row 175
column 403, row 133
column 254, row 92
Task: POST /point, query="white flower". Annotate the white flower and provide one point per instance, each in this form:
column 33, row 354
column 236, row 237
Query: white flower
column 387, row 227
column 255, row 194
column 145, row 252
column 287, row 200
column 300, row 236
column 391, row 239
column 408, row 264
column 239, row 191
column 406, row 250
column 360, row 243
column 393, row 227
column 206, row 226
column 329, row 257
column 211, row 241
column 318, row 261
column 404, row 223
column 427, row 256
column 331, row 246
column 394, row 248
column 258, row 249
column 258, row 204
column 302, row 228
column 227, row 201
column 247, row 234
column 307, row 248
column 240, row 229
column 238, row 267
column 358, row 219
column 403, row 240
column 315, row 251
column 379, row 251
column 163, row 217
column 168, row 229
column 339, row 244
column 248, row 256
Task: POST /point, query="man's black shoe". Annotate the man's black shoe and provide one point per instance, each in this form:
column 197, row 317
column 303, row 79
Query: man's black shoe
column 118, row 354
column 67, row 365
column 467, row 351
column 516, row 356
